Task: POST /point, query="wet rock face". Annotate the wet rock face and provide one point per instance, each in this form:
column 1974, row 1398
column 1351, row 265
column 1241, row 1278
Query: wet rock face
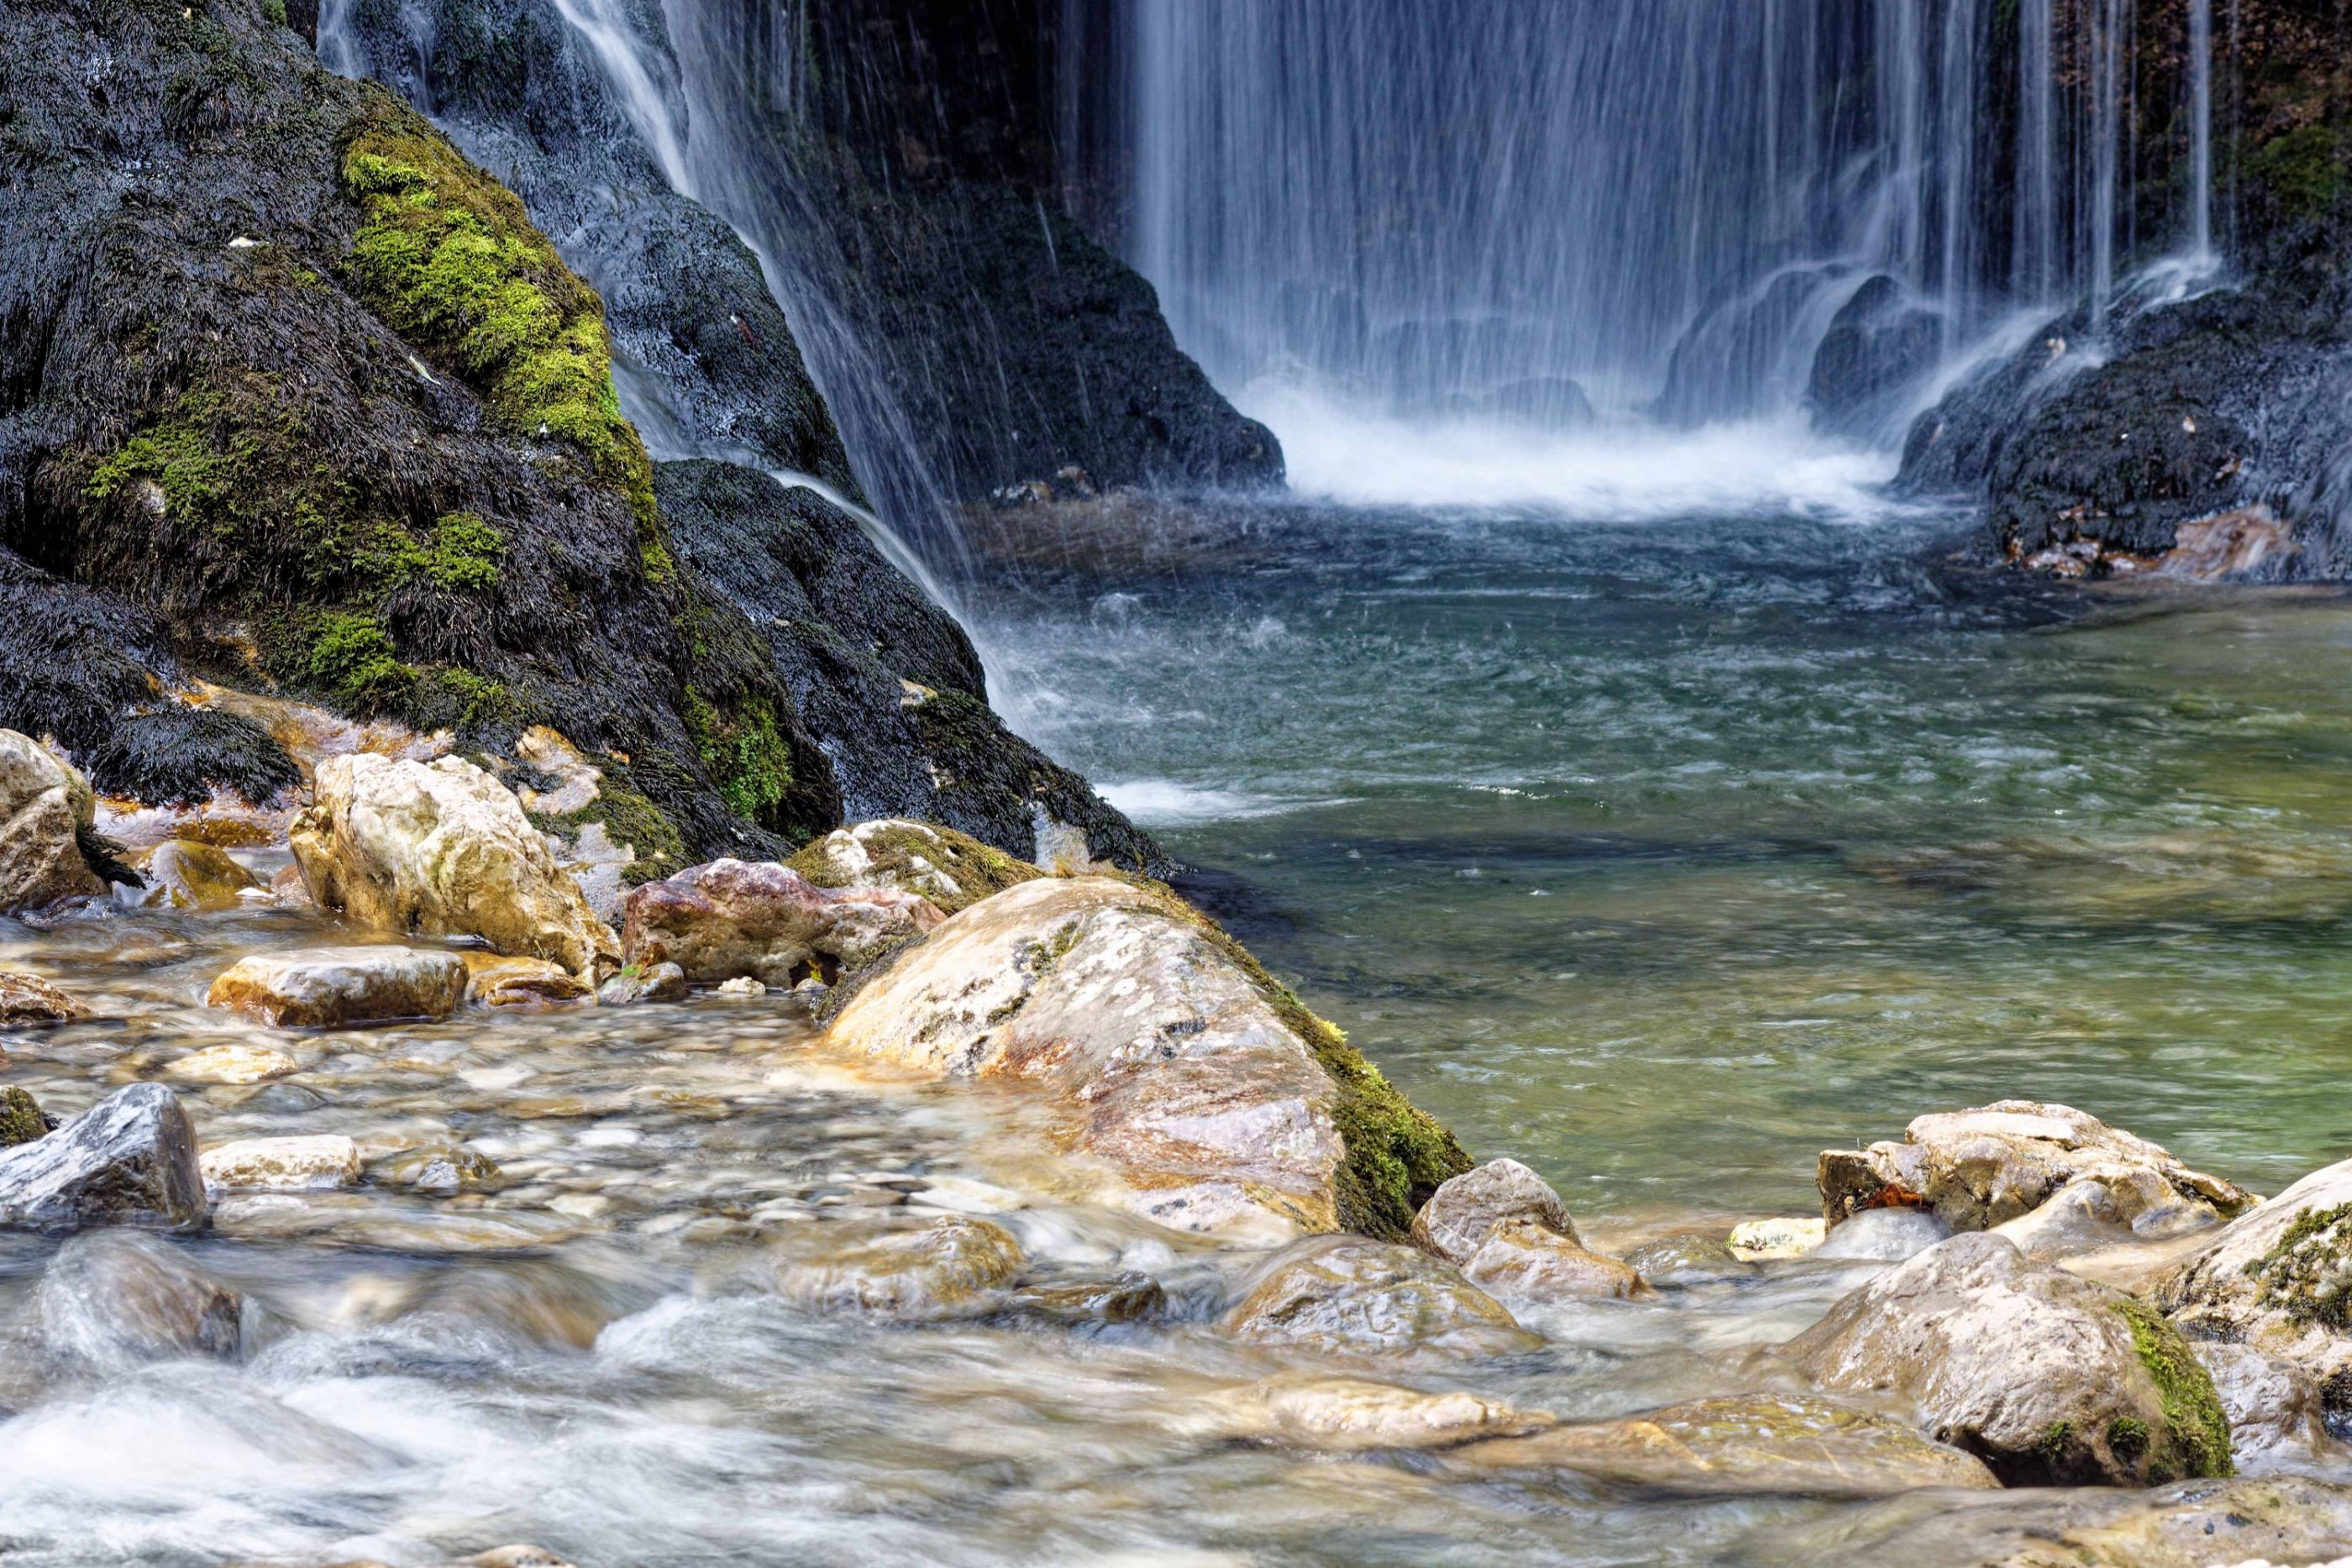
column 2280, row 1280
column 1756, row 1443
column 27, row 1001
column 2278, row 1414
column 183, row 875
column 443, row 849
column 1980, row 1168
column 2048, row 1378
column 310, row 1163
column 650, row 983
column 115, row 1299
column 340, row 987
column 1351, row 1415
column 45, row 806
column 1346, row 1296
column 952, row 870
column 132, row 1160
column 494, row 982
column 937, row 1269
column 1510, row 1232
column 1460, row 1215
column 732, row 919
column 1530, row 1264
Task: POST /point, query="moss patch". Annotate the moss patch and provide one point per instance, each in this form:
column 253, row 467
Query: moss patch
column 743, row 745
column 979, row 871
column 461, row 555
column 2307, row 1273
column 2197, row 1428
column 2304, row 169
column 21, row 1121
column 629, row 818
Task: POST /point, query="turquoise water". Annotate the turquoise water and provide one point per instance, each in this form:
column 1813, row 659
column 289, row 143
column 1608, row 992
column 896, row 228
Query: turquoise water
column 1664, row 856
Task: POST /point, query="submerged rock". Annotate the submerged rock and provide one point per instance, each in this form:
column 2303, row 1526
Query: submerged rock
column 26, row 1000
column 1089, row 1303
column 494, row 982
column 131, row 1160
column 185, row 874
column 1225, row 1103
column 940, row 1267
column 1748, row 1443
column 314, row 1162
column 1687, row 1257
column 643, row 983
column 1350, row 1415
column 1981, row 1167
column 733, row 918
column 232, row 1064
column 116, row 1299
column 1344, row 1295
column 1465, row 1210
column 45, row 808
column 1884, row 1236
column 337, row 988
column 2050, row 1379
column 443, row 849
column 2279, row 1280
column 1530, row 1264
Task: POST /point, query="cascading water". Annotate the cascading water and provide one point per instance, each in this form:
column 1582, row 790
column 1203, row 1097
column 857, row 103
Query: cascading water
column 1658, row 209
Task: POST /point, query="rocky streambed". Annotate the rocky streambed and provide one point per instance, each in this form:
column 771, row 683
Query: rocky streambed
column 371, row 1195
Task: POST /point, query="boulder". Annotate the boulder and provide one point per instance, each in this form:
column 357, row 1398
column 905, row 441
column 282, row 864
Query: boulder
column 1749, row 1443
column 634, row 984
column 734, row 919
column 2278, row 1416
column 1980, row 1168
column 317, row 1162
column 1223, row 1103
column 1464, row 1211
column 45, row 807
column 1687, row 1257
column 494, row 982
column 2280, row 1280
column 443, row 849
column 26, row 1002
column 2050, row 1378
column 925, row 1270
column 1773, row 1240
column 1345, row 1295
column 2081, row 1216
column 1529, row 1264
column 954, row 871
column 115, row 1299
column 1351, row 1415
column 182, row 873
column 337, row 988
column 232, row 1064
column 131, row 1160
column 1884, row 1236
column 22, row 1120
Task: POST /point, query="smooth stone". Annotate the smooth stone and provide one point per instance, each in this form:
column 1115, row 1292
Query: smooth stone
column 1526, row 1264
column 2278, row 1416
column 519, row 1556
column 314, row 1163
column 766, row 922
column 27, row 1001
column 130, row 1160
column 1982, row 1167
column 2279, row 1278
column 634, row 985
column 2050, row 1379
column 443, row 849
column 232, row 1064
column 494, row 982
column 341, row 988
column 1884, row 1236
column 351, row 1219
column 1773, row 1240
column 1687, row 1257
column 44, row 807
column 2081, row 1216
column 441, row 1171
column 743, row 986
column 1351, row 1415
column 1757, row 1443
column 1345, row 1295
column 1465, row 1210
column 113, row 1299
column 1090, row 1303
column 185, row 874
column 896, row 1270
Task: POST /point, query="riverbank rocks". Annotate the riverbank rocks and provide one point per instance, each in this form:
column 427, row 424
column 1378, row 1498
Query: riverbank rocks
column 1347, row 1296
column 27, row 1001
column 443, row 849
column 1775, row 1241
column 953, row 870
column 116, row 1299
column 2279, row 1280
column 315, row 1162
column 45, row 807
column 1982, row 1167
column 1505, row 1229
column 494, row 982
column 1530, row 1265
column 2278, row 1415
column 185, row 874
column 1754, row 1443
column 643, row 983
column 2050, row 1379
column 900, row 1272
column 341, row 988
column 1225, row 1105
column 737, row 919
column 1351, row 1415
column 131, row 1160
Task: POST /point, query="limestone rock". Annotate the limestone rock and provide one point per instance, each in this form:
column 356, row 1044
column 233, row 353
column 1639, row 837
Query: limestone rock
column 232, row 1064
column 130, row 1160
column 339, row 988
column 2048, row 1377
column 1982, row 1167
column 653, row 983
column 2280, row 1280
column 2278, row 1416
column 494, row 982
column 443, row 849
column 185, row 874
column 1750, row 1443
column 891, row 1269
column 1344, row 1295
column 1770, row 1240
column 1089, row 1303
column 114, row 1300
column 439, row 1170
column 952, row 870
column 1351, row 1415
column 44, row 805
column 1463, row 1212
column 1528, row 1264
column 313, row 1163
column 736, row 918
column 1884, row 1236
column 1172, row 1062
column 1687, row 1257
column 26, row 1002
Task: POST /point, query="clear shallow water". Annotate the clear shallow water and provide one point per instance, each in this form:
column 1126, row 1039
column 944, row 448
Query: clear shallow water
column 1662, row 857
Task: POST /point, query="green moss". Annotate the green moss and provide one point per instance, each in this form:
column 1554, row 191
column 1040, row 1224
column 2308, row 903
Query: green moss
column 2304, row 169
column 353, row 657
column 464, row 701
column 2197, row 1428
column 274, row 10
column 2057, row 1438
column 744, row 746
column 2307, row 1273
column 2128, row 1438
column 462, row 555
column 629, row 818
column 979, row 871
column 21, row 1121
column 448, row 257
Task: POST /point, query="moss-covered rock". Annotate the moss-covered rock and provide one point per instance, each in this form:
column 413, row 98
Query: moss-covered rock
column 953, row 870
column 21, row 1119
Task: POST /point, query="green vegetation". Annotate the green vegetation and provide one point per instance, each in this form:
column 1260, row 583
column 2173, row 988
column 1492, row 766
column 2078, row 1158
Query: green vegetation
column 20, row 1118
column 462, row 555
column 744, row 748
column 353, row 656
column 274, row 10
column 2307, row 1273
column 2128, row 1438
column 628, row 818
column 2304, row 169
column 2197, row 1425
column 2057, row 1439
column 977, row 870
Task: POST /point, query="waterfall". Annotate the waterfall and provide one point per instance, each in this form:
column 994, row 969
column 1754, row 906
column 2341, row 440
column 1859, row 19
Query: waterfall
column 2200, row 133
